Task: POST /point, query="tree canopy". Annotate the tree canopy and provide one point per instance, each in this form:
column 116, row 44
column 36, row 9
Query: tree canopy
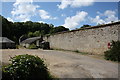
column 84, row 26
column 14, row 30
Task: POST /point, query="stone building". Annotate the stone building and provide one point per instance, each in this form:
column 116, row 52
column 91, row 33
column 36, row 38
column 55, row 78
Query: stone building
column 34, row 40
column 6, row 43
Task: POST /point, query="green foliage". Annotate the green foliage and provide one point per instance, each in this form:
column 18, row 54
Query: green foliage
column 30, row 34
column 58, row 29
column 20, row 47
column 32, row 29
column 17, row 46
column 113, row 53
column 83, row 53
column 84, row 26
column 32, row 46
column 37, row 33
column 26, row 67
column 76, row 51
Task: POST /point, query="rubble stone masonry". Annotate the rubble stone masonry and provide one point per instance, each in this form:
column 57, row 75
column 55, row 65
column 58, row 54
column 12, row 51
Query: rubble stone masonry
column 92, row 39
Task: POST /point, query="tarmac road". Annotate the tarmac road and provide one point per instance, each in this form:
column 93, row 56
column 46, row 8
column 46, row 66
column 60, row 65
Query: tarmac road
column 64, row 64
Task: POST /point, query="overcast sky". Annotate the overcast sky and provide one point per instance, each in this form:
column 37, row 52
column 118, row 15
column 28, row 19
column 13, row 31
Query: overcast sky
column 71, row 14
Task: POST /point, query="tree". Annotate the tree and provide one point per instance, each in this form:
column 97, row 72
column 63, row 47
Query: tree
column 37, row 33
column 84, row 26
column 30, row 34
column 59, row 29
column 15, row 30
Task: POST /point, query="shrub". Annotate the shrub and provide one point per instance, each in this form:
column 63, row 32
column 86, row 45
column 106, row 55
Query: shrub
column 76, row 51
column 113, row 53
column 83, row 53
column 32, row 46
column 26, row 67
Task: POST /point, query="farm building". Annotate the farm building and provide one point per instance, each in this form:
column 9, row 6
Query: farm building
column 34, row 40
column 6, row 43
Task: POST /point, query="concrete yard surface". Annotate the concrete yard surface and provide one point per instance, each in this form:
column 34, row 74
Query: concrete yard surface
column 64, row 64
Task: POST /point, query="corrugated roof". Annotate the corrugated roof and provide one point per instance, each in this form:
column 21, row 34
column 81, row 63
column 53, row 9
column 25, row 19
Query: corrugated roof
column 30, row 40
column 5, row 40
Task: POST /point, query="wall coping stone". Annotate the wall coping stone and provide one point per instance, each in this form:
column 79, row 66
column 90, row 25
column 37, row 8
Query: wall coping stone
column 93, row 27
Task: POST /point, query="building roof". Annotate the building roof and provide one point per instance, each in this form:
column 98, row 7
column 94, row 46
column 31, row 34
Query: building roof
column 31, row 40
column 5, row 40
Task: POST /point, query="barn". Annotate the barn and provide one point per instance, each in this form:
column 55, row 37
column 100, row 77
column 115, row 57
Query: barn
column 34, row 40
column 6, row 43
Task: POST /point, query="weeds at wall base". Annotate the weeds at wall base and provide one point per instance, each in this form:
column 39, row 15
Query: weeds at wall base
column 76, row 51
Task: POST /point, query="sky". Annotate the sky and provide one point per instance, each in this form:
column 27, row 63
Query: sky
column 70, row 14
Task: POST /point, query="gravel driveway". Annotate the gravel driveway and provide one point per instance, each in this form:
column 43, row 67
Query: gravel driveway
column 64, row 64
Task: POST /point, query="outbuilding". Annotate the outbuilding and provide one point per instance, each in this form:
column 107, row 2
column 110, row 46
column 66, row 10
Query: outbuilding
column 6, row 43
column 34, row 40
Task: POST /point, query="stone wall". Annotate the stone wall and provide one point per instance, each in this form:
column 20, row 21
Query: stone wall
column 119, row 33
column 93, row 40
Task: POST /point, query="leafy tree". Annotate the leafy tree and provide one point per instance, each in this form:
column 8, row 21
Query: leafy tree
column 37, row 33
column 84, row 26
column 15, row 30
column 59, row 29
column 6, row 28
column 30, row 34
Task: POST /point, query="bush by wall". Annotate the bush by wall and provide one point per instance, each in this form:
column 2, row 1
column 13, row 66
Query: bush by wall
column 32, row 46
column 26, row 67
column 113, row 53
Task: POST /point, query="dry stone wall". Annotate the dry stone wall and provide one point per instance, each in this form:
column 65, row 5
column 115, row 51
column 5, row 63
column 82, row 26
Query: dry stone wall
column 93, row 40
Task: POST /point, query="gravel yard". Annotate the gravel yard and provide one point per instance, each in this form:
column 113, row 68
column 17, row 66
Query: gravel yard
column 64, row 64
